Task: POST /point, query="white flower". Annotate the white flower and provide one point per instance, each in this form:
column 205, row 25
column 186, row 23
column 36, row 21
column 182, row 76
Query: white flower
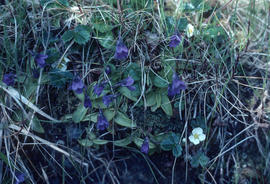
column 190, row 30
column 197, row 136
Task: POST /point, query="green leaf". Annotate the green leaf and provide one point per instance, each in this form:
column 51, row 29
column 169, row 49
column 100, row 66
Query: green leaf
column 158, row 99
column 91, row 117
column 106, row 40
column 123, row 120
column 203, row 160
column 59, row 78
column 199, row 122
column 91, row 135
column 160, row 137
column 30, row 88
column 80, row 96
column 167, row 145
column 166, row 105
column 81, row 34
column 36, row 126
column 109, row 114
column 98, row 104
column 159, row 82
column 85, row 142
column 138, row 141
column 100, row 141
column 182, row 24
column 102, row 27
column 154, row 107
column 134, row 71
column 177, row 150
column 150, row 99
column 199, row 159
column 127, row 93
column 67, row 36
column 169, row 142
column 123, row 142
column 79, row 114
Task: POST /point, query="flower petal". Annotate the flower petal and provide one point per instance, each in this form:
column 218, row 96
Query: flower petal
column 196, row 141
column 191, row 138
column 197, row 130
column 201, row 137
column 145, row 145
column 175, row 40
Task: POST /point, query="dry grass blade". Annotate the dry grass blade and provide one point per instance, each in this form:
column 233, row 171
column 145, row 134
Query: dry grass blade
column 17, row 96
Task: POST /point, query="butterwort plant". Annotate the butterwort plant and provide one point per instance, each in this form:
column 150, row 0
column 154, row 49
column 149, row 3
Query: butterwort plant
column 175, row 40
column 128, row 82
column 87, row 102
column 20, row 177
column 77, row 85
column 176, row 86
column 9, row 79
column 121, row 50
column 98, row 88
column 39, row 58
column 102, row 122
column 145, row 146
column 107, row 99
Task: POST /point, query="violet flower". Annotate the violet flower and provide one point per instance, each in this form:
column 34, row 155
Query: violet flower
column 107, row 99
column 87, row 102
column 77, row 85
column 128, row 82
column 175, row 40
column 121, row 51
column 8, row 79
column 176, row 86
column 20, row 178
column 102, row 122
column 145, row 146
column 40, row 60
column 108, row 70
column 98, row 88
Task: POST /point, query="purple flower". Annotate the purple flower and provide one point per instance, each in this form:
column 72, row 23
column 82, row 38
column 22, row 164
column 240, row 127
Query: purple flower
column 87, row 102
column 121, row 51
column 175, row 40
column 128, row 82
column 20, row 178
column 40, row 60
column 108, row 70
column 176, row 86
column 77, row 85
column 145, row 145
column 98, row 88
column 8, row 79
column 102, row 122
column 107, row 99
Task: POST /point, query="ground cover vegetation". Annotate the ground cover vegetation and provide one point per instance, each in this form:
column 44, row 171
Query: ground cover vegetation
column 134, row 91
